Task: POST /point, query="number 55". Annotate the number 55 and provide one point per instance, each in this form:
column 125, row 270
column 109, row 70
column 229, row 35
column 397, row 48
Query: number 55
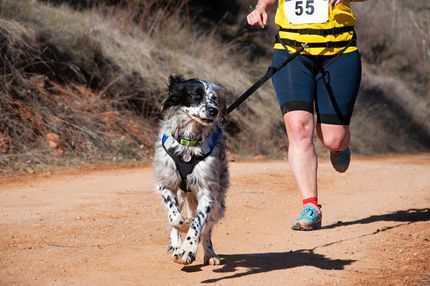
column 309, row 7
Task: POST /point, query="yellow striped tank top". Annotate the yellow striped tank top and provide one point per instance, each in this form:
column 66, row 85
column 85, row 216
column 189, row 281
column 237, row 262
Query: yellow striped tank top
column 327, row 30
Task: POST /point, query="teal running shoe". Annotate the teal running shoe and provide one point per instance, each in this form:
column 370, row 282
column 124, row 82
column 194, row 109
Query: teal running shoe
column 340, row 160
column 310, row 218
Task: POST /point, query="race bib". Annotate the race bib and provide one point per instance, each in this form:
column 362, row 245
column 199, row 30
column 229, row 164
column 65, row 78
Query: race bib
column 306, row 11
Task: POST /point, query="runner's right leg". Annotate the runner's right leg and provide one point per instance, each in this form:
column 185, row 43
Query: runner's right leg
column 303, row 161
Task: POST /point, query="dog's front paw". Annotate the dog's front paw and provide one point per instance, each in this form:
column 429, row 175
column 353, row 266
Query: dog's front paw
column 177, row 253
column 214, row 260
column 188, row 257
column 184, row 257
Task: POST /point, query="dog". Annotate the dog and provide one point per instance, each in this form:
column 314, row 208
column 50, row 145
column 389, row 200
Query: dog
column 191, row 165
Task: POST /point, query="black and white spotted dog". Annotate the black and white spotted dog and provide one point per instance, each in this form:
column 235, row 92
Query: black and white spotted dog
column 190, row 165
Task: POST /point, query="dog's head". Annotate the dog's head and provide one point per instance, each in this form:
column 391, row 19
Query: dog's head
column 202, row 101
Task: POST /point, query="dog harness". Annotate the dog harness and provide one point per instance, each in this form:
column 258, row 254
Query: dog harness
column 185, row 165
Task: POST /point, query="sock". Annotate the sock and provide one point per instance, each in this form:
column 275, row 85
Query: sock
column 313, row 200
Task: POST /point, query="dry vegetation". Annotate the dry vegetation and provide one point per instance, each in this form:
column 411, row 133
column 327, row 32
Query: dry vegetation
column 85, row 85
column 396, row 35
column 93, row 80
column 394, row 104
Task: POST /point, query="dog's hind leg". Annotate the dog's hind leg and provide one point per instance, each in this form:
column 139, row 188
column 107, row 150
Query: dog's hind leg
column 191, row 205
column 210, row 257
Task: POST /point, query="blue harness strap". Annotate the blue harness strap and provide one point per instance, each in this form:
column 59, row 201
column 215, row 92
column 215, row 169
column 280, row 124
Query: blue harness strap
column 186, row 168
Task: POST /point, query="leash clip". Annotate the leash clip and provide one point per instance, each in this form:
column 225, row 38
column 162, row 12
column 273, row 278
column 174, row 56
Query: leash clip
column 304, row 46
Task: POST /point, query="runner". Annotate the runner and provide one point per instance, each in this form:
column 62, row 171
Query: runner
column 324, row 79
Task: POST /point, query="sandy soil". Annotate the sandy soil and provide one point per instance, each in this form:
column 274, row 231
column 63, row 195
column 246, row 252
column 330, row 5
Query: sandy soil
column 109, row 228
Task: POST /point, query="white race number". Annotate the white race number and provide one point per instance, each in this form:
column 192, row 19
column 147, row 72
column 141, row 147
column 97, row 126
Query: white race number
column 306, row 11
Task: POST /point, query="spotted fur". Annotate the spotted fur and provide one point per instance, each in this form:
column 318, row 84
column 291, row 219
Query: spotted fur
column 193, row 109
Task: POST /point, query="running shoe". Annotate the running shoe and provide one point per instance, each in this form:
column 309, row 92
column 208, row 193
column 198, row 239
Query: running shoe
column 340, row 160
column 310, row 218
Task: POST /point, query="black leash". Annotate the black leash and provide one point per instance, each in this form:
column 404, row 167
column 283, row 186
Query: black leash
column 270, row 72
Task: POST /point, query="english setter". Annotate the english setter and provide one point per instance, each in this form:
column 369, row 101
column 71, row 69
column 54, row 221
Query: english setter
column 190, row 165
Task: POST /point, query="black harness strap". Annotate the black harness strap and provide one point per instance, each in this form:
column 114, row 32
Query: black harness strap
column 293, row 43
column 184, row 168
column 321, row 32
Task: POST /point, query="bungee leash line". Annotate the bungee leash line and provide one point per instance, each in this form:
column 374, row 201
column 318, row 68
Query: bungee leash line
column 270, row 72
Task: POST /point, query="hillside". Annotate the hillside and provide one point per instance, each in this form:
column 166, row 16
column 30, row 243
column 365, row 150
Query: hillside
column 83, row 84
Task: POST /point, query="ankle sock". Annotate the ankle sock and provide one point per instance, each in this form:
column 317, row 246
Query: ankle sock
column 313, row 200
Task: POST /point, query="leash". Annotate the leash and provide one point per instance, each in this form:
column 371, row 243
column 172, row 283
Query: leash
column 270, row 72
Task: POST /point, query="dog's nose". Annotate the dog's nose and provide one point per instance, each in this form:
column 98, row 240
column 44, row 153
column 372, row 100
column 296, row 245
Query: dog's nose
column 213, row 111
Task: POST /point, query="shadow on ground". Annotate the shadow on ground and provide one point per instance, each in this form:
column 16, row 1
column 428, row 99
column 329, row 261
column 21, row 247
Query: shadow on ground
column 266, row 262
column 408, row 216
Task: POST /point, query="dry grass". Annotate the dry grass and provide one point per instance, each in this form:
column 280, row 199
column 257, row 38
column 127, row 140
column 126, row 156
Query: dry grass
column 396, row 34
column 393, row 107
column 86, row 85
column 390, row 117
column 94, row 81
column 58, row 83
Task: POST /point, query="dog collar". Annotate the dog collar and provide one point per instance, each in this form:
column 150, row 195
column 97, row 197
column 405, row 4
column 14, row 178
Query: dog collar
column 207, row 147
column 190, row 142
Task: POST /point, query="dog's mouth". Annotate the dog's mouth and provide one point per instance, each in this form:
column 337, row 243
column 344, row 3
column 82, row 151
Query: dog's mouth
column 202, row 121
column 208, row 121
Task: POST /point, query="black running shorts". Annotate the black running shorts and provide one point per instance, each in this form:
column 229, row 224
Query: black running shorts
column 316, row 83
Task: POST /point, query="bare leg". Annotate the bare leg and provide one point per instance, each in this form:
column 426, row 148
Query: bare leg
column 301, row 151
column 334, row 137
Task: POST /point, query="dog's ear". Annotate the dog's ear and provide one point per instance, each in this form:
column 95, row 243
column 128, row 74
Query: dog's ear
column 221, row 98
column 175, row 82
column 174, row 89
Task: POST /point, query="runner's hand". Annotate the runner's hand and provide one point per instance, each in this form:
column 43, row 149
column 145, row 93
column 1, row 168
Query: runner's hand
column 258, row 17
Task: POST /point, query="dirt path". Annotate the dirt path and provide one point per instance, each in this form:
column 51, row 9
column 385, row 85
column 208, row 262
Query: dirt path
column 109, row 228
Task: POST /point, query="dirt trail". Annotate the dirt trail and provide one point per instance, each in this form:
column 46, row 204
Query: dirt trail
column 109, row 228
